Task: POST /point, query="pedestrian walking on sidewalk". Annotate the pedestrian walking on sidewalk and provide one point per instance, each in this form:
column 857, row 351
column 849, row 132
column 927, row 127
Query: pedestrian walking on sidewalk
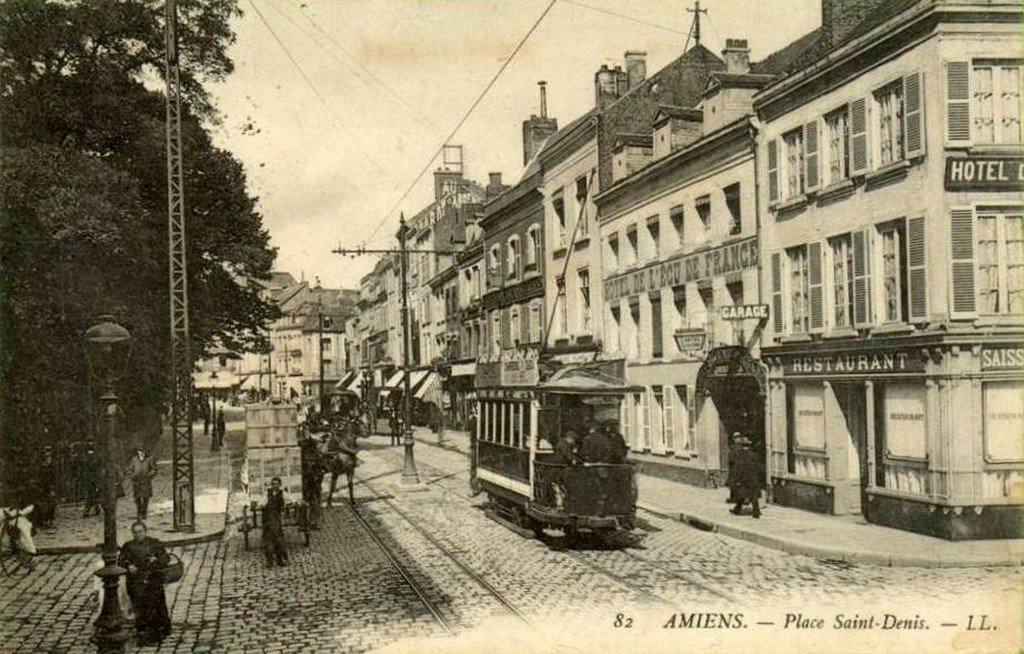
column 273, row 525
column 219, row 436
column 93, row 476
column 747, row 478
column 206, row 419
column 396, row 427
column 145, row 558
column 734, row 452
column 141, row 470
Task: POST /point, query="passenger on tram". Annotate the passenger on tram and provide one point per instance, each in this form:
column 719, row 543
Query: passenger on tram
column 596, row 447
column 618, row 442
column 566, row 449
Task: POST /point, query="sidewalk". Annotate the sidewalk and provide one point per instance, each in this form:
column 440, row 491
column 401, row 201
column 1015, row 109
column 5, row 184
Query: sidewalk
column 73, row 533
column 844, row 538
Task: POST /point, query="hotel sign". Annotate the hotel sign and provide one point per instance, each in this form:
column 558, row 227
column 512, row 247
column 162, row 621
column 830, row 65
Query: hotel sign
column 855, row 364
column 695, row 267
column 984, row 173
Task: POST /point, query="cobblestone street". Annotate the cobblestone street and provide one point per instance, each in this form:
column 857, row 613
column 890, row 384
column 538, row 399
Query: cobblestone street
column 345, row 594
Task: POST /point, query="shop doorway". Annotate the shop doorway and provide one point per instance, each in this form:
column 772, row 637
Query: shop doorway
column 735, row 382
column 853, row 404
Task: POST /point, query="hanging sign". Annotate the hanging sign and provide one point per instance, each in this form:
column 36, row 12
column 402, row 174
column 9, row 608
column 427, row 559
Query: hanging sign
column 745, row 312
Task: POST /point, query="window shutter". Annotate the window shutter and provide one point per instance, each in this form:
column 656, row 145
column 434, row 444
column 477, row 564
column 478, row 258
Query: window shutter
column 917, row 272
column 811, row 155
column 862, row 278
column 669, row 421
column 958, row 103
column 859, row 136
column 627, row 421
column 962, row 262
column 815, row 286
column 773, row 170
column 913, row 115
column 777, row 292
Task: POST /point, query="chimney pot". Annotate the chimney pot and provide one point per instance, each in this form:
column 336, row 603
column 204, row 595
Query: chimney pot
column 543, row 98
column 495, row 178
column 737, row 56
column 636, row 67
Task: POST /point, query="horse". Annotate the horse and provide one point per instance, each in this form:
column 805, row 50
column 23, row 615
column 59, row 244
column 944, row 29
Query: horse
column 339, row 458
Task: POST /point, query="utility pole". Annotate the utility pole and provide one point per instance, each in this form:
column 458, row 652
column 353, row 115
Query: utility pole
column 320, row 317
column 410, row 477
column 183, row 475
column 696, row 11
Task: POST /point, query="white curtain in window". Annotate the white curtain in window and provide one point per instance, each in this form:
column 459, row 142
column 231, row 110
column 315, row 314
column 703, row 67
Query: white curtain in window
column 1004, row 421
column 988, row 264
column 984, row 119
column 1015, row 264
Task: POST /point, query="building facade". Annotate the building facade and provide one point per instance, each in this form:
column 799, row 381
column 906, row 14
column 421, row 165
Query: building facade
column 893, row 251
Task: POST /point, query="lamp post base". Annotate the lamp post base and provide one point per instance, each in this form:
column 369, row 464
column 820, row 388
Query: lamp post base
column 112, row 631
column 410, row 477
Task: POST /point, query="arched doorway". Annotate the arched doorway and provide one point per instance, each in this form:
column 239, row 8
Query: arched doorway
column 735, row 381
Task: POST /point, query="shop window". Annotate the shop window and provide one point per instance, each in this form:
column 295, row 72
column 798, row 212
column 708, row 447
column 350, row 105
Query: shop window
column 799, row 288
column 837, row 133
column 805, row 412
column 1000, row 253
column 732, row 204
column 676, row 216
column 904, row 420
column 657, row 346
column 1004, row 421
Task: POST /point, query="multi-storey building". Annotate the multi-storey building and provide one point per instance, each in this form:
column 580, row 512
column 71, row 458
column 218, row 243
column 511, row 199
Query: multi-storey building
column 890, row 162
column 678, row 231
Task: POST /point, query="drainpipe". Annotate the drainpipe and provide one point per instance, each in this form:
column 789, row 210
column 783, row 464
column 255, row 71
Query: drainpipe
column 755, row 126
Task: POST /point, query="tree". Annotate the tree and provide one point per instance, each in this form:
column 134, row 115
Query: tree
column 83, row 210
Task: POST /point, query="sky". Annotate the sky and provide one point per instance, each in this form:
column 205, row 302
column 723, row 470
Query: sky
column 336, row 106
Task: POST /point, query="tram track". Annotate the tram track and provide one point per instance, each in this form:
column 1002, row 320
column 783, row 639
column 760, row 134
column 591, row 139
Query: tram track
column 440, row 475
column 443, row 549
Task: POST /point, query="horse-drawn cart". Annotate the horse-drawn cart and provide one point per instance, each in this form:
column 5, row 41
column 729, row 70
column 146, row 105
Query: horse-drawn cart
column 272, row 450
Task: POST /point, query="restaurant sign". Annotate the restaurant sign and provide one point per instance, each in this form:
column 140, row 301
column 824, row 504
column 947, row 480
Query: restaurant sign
column 695, row 267
column 984, row 173
column 855, row 364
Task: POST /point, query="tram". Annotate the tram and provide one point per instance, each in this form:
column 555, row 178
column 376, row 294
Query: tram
column 514, row 459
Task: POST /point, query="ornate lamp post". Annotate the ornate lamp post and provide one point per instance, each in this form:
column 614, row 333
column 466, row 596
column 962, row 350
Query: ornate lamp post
column 107, row 352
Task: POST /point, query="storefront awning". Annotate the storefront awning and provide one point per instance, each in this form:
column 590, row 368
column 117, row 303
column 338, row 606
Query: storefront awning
column 346, row 380
column 464, row 369
column 430, row 389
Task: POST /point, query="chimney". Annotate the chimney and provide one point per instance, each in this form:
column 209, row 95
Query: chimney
column 839, row 17
column 636, row 67
column 609, row 85
column 737, row 56
column 495, row 179
column 537, row 129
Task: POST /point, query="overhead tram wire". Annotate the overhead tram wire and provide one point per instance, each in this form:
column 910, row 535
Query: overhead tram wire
column 464, row 118
column 634, row 19
column 355, row 65
column 338, row 123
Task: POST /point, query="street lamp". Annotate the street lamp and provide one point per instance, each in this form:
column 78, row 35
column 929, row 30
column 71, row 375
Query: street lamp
column 107, row 353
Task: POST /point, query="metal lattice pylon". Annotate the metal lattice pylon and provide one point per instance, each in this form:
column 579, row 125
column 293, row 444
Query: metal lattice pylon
column 181, row 349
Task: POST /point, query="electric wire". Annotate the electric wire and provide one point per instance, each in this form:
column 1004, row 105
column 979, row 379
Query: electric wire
column 624, row 17
column 312, row 87
column 464, row 118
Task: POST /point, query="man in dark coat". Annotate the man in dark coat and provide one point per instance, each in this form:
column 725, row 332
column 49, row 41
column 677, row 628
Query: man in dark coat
column 747, row 478
column 141, row 470
column 566, row 449
column 596, row 446
column 219, row 432
column 273, row 525
column 93, row 476
column 734, row 451
column 144, row 558
column 395, row 423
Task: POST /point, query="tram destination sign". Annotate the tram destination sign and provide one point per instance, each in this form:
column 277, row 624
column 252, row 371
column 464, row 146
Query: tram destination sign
column 698, row 266
column 745, row 312
column 864, row 363
column 984, row 173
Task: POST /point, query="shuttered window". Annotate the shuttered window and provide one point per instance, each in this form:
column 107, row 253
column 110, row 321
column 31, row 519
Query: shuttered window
column 913, row 116
column 657, row 347
column 645, row 417
column 773, row 170
column 626, row 420
column 958, row 102
column 962, row 262
column 862, row 314
column 837, row 152
column 841, row 253
column 659, row 443
column 795, row 181
column 669, row 420
column 893, row 272
column 889, row 123
column 859, row 135
column 995, row 102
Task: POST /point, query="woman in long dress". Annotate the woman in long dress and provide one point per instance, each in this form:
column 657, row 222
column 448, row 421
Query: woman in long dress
column 144, row 558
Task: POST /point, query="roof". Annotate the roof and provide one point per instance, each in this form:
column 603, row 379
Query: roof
column 682, row 113
column 639, row 140
column 566, row 132
column 782, row 60
column 280, row 280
